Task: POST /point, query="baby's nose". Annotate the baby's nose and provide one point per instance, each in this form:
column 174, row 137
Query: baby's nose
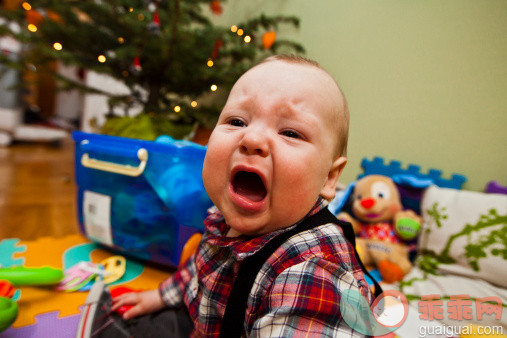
column 254, row 143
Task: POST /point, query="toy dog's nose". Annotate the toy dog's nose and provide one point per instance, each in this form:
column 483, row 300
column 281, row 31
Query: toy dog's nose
column 367, row 203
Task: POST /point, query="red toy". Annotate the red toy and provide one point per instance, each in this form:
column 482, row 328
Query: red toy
column 119, row 291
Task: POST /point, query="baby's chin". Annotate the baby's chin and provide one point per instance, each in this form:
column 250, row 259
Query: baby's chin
column 252, row 230
column 250, row 227
column 258, row 223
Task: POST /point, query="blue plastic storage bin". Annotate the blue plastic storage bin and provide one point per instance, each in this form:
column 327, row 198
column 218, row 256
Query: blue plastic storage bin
column 142, row 198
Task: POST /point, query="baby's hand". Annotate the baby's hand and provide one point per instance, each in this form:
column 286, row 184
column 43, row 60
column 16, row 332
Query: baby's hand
column 143, row 303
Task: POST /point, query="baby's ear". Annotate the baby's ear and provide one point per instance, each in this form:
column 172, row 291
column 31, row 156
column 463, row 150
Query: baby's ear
column 329, row 189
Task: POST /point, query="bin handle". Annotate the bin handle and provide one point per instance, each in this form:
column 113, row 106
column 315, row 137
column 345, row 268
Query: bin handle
column 128, row 170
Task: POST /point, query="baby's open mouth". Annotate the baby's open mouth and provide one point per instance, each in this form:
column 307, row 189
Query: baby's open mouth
column 249, row 185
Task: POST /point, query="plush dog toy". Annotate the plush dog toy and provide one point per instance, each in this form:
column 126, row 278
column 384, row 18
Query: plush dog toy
column 382, row 226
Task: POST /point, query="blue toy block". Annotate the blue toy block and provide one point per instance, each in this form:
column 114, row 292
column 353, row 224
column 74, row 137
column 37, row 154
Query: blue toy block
column 377, row 167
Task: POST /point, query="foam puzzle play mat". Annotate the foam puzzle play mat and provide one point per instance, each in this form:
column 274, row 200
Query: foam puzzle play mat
column 48, row 280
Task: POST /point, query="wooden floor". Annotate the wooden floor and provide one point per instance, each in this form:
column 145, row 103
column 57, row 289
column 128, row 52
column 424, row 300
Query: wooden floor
column 37, row 191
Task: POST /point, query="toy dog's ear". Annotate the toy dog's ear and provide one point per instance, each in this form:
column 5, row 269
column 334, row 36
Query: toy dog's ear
column 329, row 189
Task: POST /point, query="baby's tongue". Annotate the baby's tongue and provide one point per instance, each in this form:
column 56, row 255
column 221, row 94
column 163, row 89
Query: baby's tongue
column 249, row 185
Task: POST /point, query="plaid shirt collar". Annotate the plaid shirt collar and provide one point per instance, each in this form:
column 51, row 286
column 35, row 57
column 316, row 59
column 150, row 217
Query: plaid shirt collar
column 244, row 246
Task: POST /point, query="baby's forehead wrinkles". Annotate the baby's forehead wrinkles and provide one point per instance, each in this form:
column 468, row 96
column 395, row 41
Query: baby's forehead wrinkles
column 239, row 99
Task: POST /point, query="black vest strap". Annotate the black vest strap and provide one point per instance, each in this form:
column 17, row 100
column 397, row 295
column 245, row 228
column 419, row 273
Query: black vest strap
column 234, row 317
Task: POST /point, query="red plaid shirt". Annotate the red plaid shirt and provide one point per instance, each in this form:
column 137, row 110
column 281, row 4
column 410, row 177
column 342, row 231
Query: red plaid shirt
column 297, row 291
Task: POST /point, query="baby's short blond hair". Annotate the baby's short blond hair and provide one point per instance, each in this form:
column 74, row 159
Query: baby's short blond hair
column 342, row 112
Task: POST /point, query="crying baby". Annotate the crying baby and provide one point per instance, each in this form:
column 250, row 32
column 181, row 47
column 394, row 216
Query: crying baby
column 271, row 165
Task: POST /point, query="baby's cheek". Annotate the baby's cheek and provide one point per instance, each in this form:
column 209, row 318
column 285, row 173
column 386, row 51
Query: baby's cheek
column 214, row 171
column 298, row 199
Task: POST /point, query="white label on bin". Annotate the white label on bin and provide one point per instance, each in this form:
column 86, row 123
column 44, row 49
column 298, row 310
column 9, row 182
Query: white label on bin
column 97, row 217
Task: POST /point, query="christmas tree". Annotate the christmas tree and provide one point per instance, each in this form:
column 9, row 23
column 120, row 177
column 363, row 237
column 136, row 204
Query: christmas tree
column 169, row 54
